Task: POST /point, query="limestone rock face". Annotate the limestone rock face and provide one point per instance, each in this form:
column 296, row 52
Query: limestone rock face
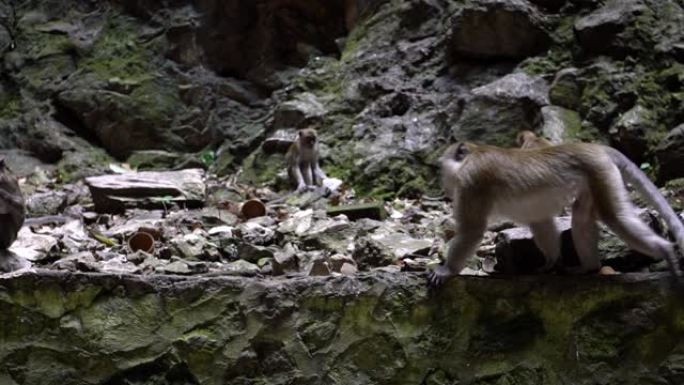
column 670, row 154
column 515, row 99
column 497, row 29
column 597, row 30
column 623, row 27
column 371, row 329
column 387, row 83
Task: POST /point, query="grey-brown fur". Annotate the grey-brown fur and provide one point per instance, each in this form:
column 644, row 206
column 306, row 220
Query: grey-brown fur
column 12, row 208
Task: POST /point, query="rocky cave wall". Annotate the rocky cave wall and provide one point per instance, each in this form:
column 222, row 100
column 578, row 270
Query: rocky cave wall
column 388, row 83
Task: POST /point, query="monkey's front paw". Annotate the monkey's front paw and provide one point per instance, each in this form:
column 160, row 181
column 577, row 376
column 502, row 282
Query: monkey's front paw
column 439, row 276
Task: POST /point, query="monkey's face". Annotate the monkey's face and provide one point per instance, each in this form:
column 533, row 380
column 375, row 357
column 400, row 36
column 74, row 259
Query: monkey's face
column 307, row 138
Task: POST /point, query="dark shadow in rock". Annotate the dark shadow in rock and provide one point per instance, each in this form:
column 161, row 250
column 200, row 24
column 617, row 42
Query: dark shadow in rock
column 166, row 370
column 70, row 119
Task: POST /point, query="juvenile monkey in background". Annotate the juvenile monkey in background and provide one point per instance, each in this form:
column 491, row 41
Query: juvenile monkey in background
column 532, row 185
column 302, row 160
column 12, row 208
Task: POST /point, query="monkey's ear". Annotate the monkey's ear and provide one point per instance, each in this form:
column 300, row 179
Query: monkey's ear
column 461, row 151
column 520, row 138
column 2, row 162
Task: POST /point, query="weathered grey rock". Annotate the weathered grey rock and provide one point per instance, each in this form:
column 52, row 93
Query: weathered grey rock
column 118, row 265
column 628, row 133
column 598, row 31
column 138, row 257
column 348, row 269
column 336, row 262
column 496, row 29
column 298, row 223
column 488, row 114
column 369, row 253
column 299, row 112
column 604, row 93
column 240, row 267
column 182, row 325
column 213, row 216
column 221, row 231
column 254, row 253
column 33, row 247
column 113, row 193
column 46, row 203
column 285, row 260
column 332, row 234
column 134, row 118
column 23, row 163
column 149, row 220
column 190, row 246
column 256, row 234
column 420, row 264
column 517, row 253
column 385, row 248
column 319, row 267
column 670, row 154
column 516, row 86
column 82, row 261
column 559, row 123
column 176, row 267
column 402, row 245
column 153, row 160
column 73, row 237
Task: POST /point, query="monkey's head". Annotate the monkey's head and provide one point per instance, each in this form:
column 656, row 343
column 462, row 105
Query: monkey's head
column 452, row 160
column 457, row 152
column 307, row 137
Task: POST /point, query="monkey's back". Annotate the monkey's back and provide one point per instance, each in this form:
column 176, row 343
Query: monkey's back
column 517, row 171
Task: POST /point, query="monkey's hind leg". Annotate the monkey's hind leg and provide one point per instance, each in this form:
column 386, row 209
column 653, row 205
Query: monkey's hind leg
column 640, row 237
column 585, row 234
column 619, row 215
column 547, row 238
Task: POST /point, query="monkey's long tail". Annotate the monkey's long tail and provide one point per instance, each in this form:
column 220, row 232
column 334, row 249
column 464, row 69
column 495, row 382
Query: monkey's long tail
column 650, row 192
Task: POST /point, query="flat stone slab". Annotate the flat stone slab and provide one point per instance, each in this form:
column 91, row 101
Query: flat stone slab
column 147, row 189
column 371, row 328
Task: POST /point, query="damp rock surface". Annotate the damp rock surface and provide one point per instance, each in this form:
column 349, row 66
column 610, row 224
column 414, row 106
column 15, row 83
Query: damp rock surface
column 381, row 328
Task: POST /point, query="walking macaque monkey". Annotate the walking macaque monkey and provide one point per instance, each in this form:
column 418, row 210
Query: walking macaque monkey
column 532, row 185
column 302, row 160
column 528, row 139
column 12, row 208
